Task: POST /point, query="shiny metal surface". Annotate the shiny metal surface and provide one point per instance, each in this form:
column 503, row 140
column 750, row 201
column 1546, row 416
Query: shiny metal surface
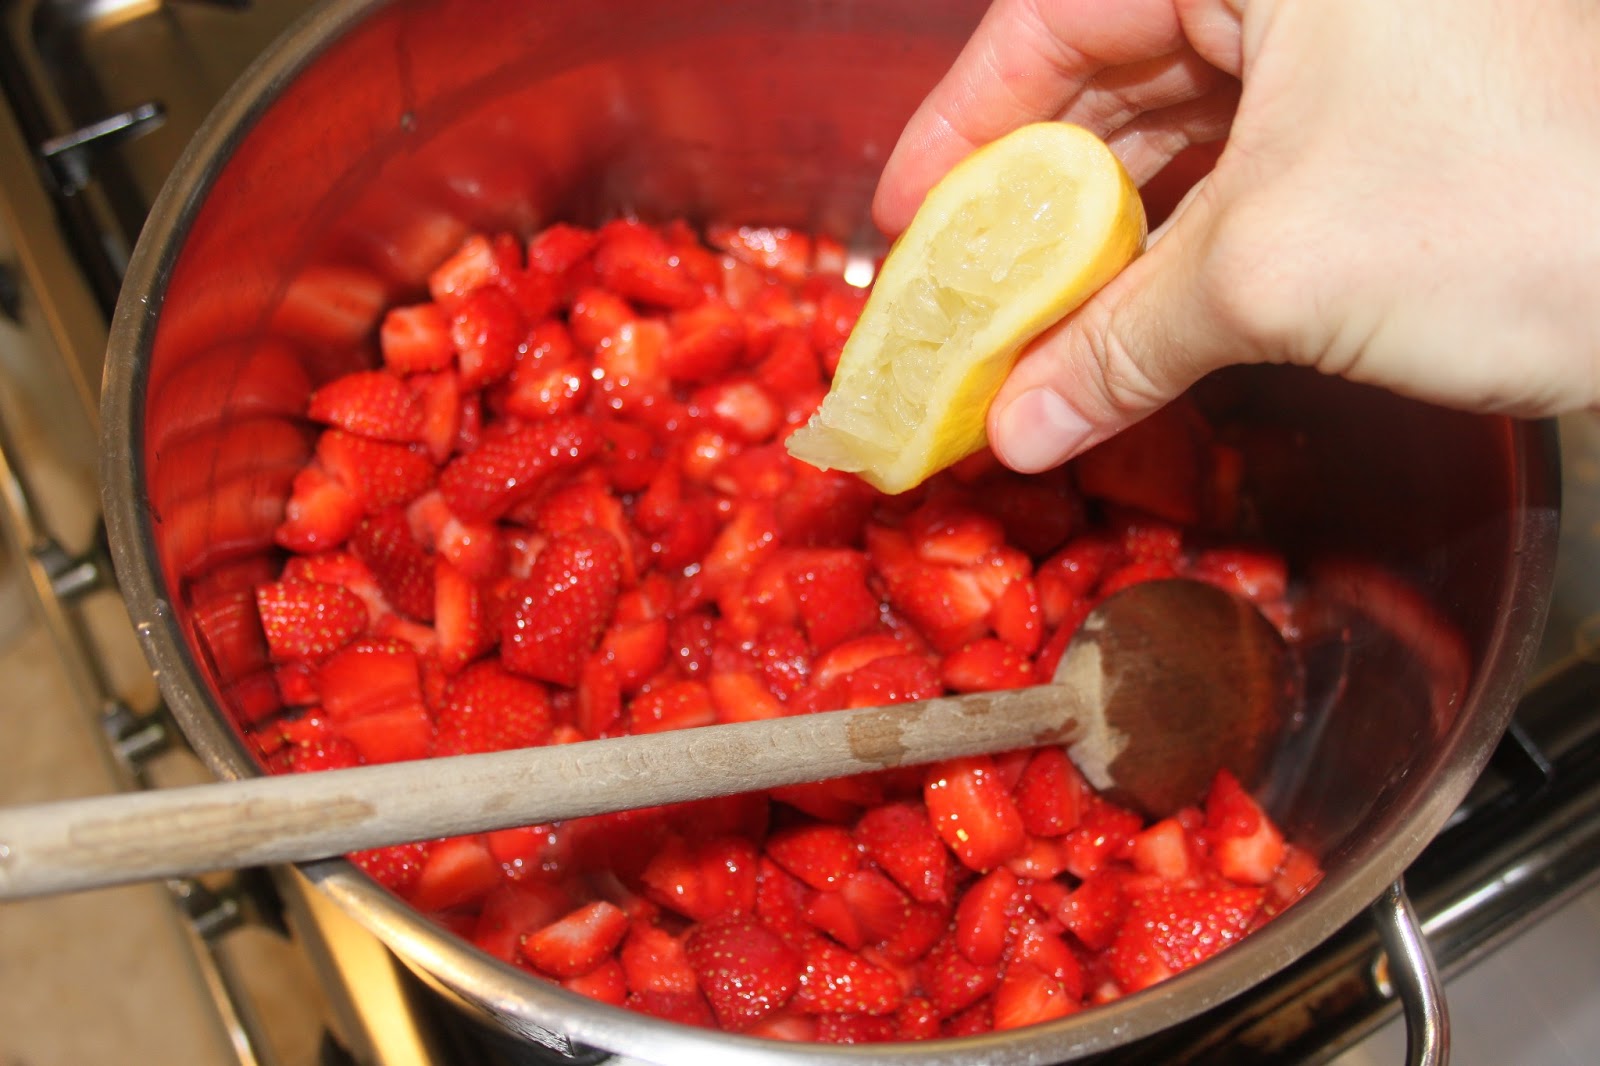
column 346, row 163
column 1410, row 967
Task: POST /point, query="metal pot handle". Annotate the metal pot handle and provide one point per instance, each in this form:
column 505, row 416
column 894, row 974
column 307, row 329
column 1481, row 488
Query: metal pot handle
column 1413, row 975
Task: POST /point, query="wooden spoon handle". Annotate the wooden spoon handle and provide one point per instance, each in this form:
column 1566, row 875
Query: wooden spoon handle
column 105, row 840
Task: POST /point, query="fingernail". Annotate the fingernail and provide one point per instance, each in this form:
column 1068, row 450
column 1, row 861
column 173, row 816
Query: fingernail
column 1038, row 430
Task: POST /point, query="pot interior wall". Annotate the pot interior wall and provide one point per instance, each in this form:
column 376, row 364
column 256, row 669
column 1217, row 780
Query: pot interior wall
column 427, row 120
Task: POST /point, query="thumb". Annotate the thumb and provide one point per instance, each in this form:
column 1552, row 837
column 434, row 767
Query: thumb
column 1137, row 344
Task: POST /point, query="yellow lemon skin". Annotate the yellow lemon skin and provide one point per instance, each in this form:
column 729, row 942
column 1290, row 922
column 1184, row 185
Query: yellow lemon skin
column 1013, row 239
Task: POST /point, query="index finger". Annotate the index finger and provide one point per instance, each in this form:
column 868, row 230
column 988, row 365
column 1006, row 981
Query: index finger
column 1026, row 62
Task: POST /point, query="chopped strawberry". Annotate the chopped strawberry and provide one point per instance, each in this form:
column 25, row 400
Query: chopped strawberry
column 634, row 262
column 973, row 813
column 579, row 942
column 460, row 617
column 656, row 961
column 704, row 880
column 439, row 407
column 942, row 532
column 777, row 249
column 677, row 705
column 706, row 342
column 471, row 266
column 686, row 1008
column 401, row 567
column 1258, row 576
column 953, row 982
column 985, row 915
column 1171, row 929
column 1049, row 792
column 458, row 871
column 395, row 867
column 985, row 665
column 836, row 980
column 488, row 708
column 557, row 614
column 1104, row 834
column 1094, row 911
column 321, row 512
column 743, row 697
column 1027, row 997
column 1018, row 617
column 374, row 404
column 606, row 983
column 820, row 855
column 512, row 911
column 1163, row 851
column 378, row 473
column 740, row 407
column 745, row 970
column 832, row 597
column 484, row 484
column 854, row 1029
column 900, row 838
column 557, row 249
column 416, row 338
column 487, row 329
column 308, row 619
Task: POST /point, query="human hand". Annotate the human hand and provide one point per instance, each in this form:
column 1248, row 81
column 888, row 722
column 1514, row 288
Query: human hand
column 1406, row 198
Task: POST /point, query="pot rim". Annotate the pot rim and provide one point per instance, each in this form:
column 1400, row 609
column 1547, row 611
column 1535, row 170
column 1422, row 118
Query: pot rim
column 532, row 1006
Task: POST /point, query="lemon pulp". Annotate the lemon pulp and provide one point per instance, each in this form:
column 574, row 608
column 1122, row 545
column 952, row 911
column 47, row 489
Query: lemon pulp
column 1011, row 240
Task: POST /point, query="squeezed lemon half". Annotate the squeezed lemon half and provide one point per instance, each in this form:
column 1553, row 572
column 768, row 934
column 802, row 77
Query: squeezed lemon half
column 1010, row 241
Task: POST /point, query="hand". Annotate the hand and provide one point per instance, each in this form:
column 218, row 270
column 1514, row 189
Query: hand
column 1409, row 197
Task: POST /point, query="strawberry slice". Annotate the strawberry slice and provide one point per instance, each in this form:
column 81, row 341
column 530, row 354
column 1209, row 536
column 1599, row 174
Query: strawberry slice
column 402, row 567
column 706, row 342
column 372, row 403
column 557, row 614
column 831, row 596
column 745, row 970
column 678, row 705
column 973, row 812
column 487, row 329
column 1245, row 846
column 743, row 697
column 416, row 338
column 1171, row 929
column 1027, row 997
column 438, row 405
column 985, row 916
column 579, row 942
column 606, row 982
column 559, row 249
column 1049, row 792
column 368, row 677
column 308, row 619
column 820, row 855
column 902, row 841
column 396, row 867
column 637, row 264
column 321, row 512
column 483, row 484
column 952, row 981
column 488, row 708
column 1163, row 851
column 656, row 961
column 458, row 870
column 705, row 880
column 378, row 473
column 512, row 911
column 834, row 980
column 986, row 664
column 1094, row 911
column 460, row 618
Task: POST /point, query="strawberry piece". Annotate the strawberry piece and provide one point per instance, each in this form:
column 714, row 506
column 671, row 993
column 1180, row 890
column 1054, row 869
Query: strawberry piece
column 820, row 855
column 973, row 813
column 557, row 250
column 828, row 912
column 401, row 567
column 739, row 407
column 321, row 512
column 742, row 697
column 1049, row 792
column 229, row 628
column 486, row 329
column 834, row 980
column 378, row 473
column 473, row 265
column 512, row 911
column 902, row 841
column 706, row 342
column 556, row 614
column 748, row 537
column 832, row 598
column 1027, row 997
column 745, row 970
column 678, row 705
column 985, row 915
column 1258, row 576
column 877, row 907
column 438, row 403
column 460, row 617
column 636, row 651
column 1245, row 846
column 368, row 677
column 916, row 1020
column 636, row 263
column 952, row 981
column 488, row 708
column 987, row 664
column 395, row 867
column 704, row 880
column 459, row 870
column 579, row 942
column 778, row 249
column 839, row 306
column 782, row 901
column 942, row 532
column 1163, row 851
column 1094, row 911
column 628, row 455
column 1104, row 834
column 656, row 961
column 1171, row 929
column 599, row 699
column 416, row 338
column 1037, row 946
column 854, row 1029
column 684, row 1008
column 606, row 983
column 372, row 403
column 1018, row 618
column 308, row 619
column 484, row 484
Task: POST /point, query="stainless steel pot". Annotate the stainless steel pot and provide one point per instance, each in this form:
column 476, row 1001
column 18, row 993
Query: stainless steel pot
column 352, row 158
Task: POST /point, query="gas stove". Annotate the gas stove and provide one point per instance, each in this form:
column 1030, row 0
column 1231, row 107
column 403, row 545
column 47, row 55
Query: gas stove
column 97, row 102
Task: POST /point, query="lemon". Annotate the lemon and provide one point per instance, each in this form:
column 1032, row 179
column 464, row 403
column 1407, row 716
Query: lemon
column 1008, row 243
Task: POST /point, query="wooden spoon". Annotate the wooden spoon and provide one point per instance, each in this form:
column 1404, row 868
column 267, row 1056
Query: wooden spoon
column 1165, row 683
